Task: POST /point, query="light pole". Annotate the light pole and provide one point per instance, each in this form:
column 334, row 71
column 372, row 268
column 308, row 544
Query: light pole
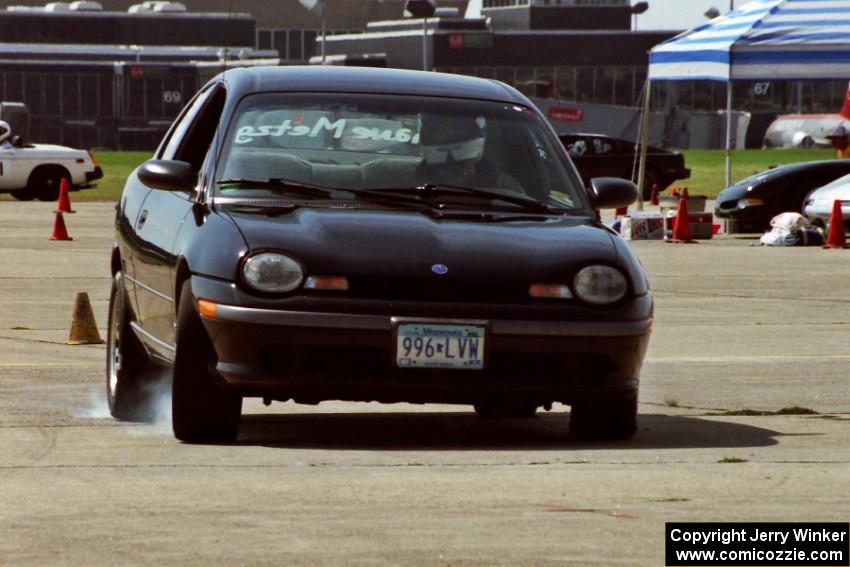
column 638, row 8
column 713, row 12
column 318, row 8
column 422, row 9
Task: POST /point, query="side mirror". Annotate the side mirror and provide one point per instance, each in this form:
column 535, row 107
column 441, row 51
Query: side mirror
column 612, row 192
column 168, row 175
column 18, row 141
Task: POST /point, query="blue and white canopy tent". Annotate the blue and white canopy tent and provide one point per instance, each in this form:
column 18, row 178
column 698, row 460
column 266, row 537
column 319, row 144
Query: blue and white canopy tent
column 763, row 40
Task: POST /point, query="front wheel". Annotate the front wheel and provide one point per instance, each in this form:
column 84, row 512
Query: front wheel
column 612, row 420
column 203, row 410
column 128, row 369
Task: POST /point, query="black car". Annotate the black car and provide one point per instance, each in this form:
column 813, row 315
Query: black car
column 752, row 202
column 595, row 155
column 315, row 233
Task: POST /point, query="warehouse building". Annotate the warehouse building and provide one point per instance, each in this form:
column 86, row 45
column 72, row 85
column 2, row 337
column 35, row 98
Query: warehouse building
column 115, row 73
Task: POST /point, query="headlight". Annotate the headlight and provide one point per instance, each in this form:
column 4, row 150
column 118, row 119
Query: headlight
column 272, row 272
column 750, row 202
column 600, row 285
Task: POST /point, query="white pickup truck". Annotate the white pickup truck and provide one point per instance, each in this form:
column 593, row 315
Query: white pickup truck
column 34, row 171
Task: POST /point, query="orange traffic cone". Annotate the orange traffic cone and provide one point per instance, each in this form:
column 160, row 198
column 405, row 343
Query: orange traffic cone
column 836, row 237
column 59, row 230
column 674, row 192
column 681, row 226
column 63, row 205
column 685, row 192
column 654, row 194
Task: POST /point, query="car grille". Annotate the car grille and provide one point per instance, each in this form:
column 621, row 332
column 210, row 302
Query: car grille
column 438, row 291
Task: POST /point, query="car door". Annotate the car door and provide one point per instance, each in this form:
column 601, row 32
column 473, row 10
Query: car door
column 162, row 216
column 7, row 179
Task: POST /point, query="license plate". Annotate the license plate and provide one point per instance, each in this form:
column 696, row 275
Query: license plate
column 426, row 345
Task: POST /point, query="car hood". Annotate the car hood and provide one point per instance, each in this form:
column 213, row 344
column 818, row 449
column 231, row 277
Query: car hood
column 388, row 243
column 838, row 189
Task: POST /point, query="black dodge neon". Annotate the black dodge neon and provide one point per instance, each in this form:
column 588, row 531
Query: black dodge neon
column 312, row 234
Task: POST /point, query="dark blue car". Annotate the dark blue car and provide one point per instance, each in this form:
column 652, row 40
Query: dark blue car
column 752, row 202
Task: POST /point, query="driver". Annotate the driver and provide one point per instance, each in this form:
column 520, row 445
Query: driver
column 453, row 154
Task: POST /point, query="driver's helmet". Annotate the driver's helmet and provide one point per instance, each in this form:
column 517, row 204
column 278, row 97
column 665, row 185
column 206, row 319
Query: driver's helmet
column 450, row 139
column 5, row 131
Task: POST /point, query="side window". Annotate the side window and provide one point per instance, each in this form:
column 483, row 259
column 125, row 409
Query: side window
column 181, row 125
column 199, row 132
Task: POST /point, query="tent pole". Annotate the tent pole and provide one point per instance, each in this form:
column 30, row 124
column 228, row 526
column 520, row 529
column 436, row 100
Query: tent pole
column 644, row 141
column 728, row 133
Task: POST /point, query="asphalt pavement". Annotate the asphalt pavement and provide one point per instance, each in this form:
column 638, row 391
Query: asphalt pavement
column 739, row 329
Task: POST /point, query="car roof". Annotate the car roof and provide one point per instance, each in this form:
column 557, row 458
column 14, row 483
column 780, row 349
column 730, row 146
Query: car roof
column 317, row 78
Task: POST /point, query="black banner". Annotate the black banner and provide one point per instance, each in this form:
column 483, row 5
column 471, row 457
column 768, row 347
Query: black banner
column 745, row 544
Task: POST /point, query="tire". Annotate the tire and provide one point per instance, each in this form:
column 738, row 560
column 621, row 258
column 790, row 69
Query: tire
column 609, row 420
column 505, row 410
column 203, row 410
column 44, row 183
column 24, row 194
column 128, row 369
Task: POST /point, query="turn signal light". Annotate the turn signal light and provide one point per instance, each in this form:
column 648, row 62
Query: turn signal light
column 327, row 283
column 207, row 308
column 550, row 291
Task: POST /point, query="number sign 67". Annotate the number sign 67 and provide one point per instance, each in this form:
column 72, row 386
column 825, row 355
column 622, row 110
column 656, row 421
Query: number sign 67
column 761, row 89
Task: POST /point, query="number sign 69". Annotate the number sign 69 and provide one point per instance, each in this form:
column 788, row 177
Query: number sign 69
column 172, row 97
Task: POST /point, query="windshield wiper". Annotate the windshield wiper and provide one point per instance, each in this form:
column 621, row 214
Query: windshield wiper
column 289, row 185
column 431, row 190
column 322, row 192
column 481, row 216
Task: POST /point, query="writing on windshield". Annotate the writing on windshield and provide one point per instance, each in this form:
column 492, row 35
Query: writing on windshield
column 337, row 129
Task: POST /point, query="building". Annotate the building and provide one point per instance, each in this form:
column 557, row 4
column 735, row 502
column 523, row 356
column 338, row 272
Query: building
column 569, row 49
column 115, row 73
column 583, row 51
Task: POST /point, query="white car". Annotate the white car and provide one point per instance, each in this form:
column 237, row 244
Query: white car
column 818, row 205
column 34, row 171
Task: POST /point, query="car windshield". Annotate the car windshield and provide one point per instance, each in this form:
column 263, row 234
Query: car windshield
column 384, row 142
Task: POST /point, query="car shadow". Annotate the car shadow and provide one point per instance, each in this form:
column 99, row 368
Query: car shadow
column 462, row 431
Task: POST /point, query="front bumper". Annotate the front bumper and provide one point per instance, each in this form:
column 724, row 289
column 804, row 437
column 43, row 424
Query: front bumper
column 311, row 356
column 748, row 210
column 94, row 175
column 679, row 173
